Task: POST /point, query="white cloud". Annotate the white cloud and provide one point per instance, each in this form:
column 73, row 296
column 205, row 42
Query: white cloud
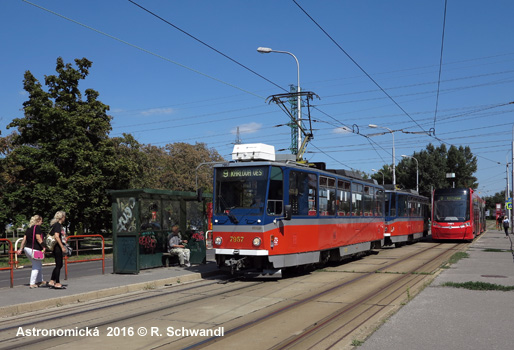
column 157, row 111
column 342, row 130
column 249, row 128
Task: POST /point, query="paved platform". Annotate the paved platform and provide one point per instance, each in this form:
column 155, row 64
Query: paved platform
column 455, row 318
column 22, row 299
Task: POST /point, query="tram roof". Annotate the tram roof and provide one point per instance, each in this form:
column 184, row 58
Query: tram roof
column 318, row 167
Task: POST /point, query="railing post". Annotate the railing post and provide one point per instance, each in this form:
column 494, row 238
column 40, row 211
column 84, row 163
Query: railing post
column 11, row 260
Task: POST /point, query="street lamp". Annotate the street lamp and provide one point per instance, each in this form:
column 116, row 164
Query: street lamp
column 417, row 171
column 392, row 133
column 377, row 171
column 299, row 99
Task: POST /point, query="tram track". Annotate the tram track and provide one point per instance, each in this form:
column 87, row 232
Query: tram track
column 393, row 288
column 298, row 341
column 74, row 312
column 323, row 332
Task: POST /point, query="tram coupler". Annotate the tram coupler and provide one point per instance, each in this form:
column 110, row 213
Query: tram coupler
column 235, row 265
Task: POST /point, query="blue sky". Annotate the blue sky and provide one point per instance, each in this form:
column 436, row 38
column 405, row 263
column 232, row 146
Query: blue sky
column 163, row 86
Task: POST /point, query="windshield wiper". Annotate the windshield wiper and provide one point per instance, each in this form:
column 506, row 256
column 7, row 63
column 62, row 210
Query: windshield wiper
column 227, row 211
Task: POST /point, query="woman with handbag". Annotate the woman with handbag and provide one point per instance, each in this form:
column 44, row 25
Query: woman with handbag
column 57, row 231
column 32, row 245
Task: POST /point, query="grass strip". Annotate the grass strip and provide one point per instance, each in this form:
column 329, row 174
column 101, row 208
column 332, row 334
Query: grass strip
column 478, row 286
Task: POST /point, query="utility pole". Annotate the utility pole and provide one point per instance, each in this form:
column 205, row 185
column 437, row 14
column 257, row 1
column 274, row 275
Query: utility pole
column 507, row 193
column 294, row 126
column 238, row 137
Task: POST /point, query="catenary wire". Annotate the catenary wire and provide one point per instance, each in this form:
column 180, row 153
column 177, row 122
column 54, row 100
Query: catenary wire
column 355, row 62
column 144, row 50
column 440, row 63
column 205, row 44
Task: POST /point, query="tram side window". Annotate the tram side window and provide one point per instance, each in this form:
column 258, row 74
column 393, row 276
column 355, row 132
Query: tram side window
column 357, row 200
column 302, row 193
column 392, row 211
column 402, row 206
column 368, row 201
column 327, row 195
column 379, row 199
column 343, row 198
column 275, row 194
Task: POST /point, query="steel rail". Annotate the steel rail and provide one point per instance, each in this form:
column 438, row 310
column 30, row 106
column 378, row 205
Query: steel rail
column 406, row 277
column 305, row 300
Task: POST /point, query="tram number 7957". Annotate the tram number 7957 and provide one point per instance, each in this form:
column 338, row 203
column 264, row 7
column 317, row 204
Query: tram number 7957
column 236, row 239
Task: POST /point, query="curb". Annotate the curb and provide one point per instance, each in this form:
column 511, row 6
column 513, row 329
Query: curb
column 17, row 309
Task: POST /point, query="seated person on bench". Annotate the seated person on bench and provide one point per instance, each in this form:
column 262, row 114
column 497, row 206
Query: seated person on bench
column 176, row 247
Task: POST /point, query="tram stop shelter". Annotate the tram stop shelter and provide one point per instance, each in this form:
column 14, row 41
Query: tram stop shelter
column 142, row 220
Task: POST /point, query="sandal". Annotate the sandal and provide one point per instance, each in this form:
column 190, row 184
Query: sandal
column 32, row 286
column 59, row 286
column 42, row 284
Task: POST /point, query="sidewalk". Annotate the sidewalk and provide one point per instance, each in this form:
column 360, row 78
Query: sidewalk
column 21, row 299
column 456, row 318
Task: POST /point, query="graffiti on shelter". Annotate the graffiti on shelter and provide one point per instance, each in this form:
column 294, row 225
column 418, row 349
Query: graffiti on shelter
column 148, row 242
column 126, row 215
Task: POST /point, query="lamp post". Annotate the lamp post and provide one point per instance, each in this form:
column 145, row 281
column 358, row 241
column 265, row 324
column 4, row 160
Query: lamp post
column 378, row 171
column 512, row 196
column 299, row 99
column 392, row 133
column 417, row 171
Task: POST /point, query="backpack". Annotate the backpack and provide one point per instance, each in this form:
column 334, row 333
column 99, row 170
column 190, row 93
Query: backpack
column 505, row 223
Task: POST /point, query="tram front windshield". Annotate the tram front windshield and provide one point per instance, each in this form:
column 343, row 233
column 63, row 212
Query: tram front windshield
column 241, row 188
column 451, row 208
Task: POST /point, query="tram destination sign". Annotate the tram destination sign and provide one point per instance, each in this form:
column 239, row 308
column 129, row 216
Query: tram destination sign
column 246, row 172
column 443, row 197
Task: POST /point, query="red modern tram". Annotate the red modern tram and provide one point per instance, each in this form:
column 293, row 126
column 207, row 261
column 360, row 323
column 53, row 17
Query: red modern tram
column 457, row 214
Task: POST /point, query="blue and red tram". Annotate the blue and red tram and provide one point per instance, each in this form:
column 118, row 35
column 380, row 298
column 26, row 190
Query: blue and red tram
column 407, row 216
column 457, row 214
column 269, row 215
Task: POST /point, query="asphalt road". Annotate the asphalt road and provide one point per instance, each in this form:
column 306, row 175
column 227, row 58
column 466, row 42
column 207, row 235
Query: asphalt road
column 77, row 270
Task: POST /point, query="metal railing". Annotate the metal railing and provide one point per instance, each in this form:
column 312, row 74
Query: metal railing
column 76, row 249
column 11, row 262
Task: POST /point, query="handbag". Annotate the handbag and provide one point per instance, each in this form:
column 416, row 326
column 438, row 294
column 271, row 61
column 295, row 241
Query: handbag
column 49, row 242
column 36, row 254
column 69, row 250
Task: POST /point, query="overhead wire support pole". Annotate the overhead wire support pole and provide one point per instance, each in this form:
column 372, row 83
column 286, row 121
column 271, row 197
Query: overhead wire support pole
column 281, row 100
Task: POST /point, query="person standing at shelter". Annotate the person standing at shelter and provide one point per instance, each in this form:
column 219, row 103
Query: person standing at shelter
column 506, row 225
column 59, row 234
column 176, row 246
column 33, row 240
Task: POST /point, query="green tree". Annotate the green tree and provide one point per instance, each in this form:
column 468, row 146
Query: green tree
column 433, row 165
column 184, row 160
column 173, row 167
column 61, row 156
column 491, row 201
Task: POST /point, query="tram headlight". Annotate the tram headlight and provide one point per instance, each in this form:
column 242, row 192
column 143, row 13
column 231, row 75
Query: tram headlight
column 218, row 240
column 256, row 242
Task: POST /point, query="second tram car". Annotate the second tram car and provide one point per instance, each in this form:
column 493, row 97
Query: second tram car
column 407, row 216
column 270, row 215
column 457, row 214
